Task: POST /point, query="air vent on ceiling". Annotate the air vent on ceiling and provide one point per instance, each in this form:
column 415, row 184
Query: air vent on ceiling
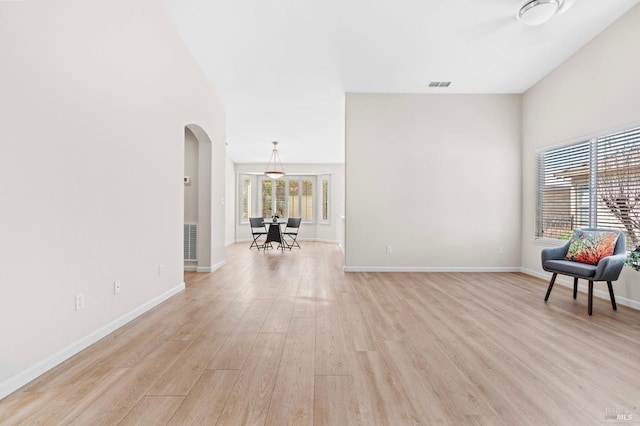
column 439, row 84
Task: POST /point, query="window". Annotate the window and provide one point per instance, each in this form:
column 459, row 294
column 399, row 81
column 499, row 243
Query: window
column 593, row 183
column 266, row 198
column 294, row 198
column 306, row 201
column 289, row 197
column 280, row 198
column 246, row 199
column 324, row 199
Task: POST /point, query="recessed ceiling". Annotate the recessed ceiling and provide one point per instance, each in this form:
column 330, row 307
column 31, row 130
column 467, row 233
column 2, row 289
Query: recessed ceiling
column 282, row 67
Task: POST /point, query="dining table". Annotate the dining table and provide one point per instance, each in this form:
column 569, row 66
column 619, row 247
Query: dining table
column 274, row 232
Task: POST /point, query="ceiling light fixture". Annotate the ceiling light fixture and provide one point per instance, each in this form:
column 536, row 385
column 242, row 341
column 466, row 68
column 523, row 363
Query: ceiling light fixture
column 536, row 12
column 272, row 171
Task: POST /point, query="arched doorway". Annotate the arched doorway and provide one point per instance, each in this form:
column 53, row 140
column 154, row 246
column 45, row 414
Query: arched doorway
column 197, row 199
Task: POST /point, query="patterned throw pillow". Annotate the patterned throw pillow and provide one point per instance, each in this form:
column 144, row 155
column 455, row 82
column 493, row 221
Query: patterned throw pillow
column 591, row 246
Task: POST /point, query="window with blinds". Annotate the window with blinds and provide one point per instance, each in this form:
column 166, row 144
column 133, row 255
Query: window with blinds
column 595, row 183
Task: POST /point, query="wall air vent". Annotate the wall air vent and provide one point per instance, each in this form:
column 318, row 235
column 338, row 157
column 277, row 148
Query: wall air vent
column 190, row 241
column 439, row 84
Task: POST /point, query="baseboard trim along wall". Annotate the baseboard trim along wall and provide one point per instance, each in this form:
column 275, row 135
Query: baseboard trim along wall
column 568, row 282
column 428, row 269
column 193, row 268
column 210, row 268
column 16, row 382
column 317, row 240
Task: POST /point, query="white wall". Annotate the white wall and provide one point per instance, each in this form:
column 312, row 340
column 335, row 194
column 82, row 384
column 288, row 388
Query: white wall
column 325, row 232
column 95, row 100
column 437, row 177
column 191, row 193
column 191, row 170
column 230, row 203
column 594, row 91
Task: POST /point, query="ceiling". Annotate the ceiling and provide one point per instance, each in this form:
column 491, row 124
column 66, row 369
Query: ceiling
column 282, row 67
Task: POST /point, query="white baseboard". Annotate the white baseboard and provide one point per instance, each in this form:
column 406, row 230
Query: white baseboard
column 318, row 240
column 211, row 268
column 542, row 275
column 429, row 269
column 193, row 268
column 16, row 382
column 568, row 282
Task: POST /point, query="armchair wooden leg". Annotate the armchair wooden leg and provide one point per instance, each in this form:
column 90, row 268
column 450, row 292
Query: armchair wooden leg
column 553, row 280
column 590, row 305
column 613, row 298
column 575, row 287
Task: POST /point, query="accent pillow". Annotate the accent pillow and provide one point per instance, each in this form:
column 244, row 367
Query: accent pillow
column 591, row 246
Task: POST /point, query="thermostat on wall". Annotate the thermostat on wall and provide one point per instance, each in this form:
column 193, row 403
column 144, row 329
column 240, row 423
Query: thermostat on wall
column 187, row 180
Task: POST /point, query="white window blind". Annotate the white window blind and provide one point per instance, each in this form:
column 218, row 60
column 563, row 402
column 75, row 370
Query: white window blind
column 593, row 183
column 618, row 183
column 562, row 174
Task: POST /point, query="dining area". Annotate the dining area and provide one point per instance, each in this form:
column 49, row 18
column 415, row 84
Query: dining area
column 265, row 232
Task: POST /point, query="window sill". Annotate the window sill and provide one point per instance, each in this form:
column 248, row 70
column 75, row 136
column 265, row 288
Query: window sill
column 549, row 242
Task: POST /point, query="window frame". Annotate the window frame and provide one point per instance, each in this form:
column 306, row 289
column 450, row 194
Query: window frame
column 242, row 178
column 288, row 178
column 321, row 199
column 585, row 165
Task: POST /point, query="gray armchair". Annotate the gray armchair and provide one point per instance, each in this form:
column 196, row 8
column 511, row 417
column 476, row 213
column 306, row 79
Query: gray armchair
column 608, row 268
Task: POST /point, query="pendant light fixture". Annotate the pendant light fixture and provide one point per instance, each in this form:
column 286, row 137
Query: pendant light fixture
column 272, row 170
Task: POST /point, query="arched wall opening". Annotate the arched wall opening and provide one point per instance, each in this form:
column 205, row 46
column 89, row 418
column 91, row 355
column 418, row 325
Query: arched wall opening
column 197, row 198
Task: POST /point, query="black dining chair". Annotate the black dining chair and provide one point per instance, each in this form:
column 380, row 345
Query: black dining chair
column 258, row 229
column 291, row 232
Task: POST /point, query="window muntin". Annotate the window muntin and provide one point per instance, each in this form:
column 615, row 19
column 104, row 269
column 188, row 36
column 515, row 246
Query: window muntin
column 592, row 183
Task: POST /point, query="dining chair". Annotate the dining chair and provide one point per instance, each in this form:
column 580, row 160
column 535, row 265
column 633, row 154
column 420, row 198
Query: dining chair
column 258, row 229
column 583, row 257
column 291, row 231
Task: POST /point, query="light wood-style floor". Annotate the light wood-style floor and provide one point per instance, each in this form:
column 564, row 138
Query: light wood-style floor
column 288, row 338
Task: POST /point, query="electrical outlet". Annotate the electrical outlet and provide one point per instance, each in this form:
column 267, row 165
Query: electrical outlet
column 117, row 286
column 500, row 250
column 79, row 301
column 389, row 249
column 160, row 270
